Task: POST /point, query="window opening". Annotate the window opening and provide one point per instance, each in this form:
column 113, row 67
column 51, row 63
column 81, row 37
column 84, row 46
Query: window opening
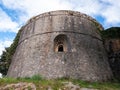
column 61, row 43
column 60, row 48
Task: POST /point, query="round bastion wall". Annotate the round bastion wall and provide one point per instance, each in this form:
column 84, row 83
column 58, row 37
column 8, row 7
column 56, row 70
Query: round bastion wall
column 61, row 44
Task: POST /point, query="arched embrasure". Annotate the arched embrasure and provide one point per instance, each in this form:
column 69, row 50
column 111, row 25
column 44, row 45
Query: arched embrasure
column 61, row 43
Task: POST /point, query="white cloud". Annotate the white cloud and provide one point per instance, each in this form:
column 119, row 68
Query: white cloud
column 32, row 8
column 4, row 44
column 6, row 23
column 89, row 7
column 0, row 75
column 108, row 9
column 111, row 12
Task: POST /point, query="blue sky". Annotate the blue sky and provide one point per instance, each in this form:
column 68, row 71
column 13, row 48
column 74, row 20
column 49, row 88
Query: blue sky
column 15, row 13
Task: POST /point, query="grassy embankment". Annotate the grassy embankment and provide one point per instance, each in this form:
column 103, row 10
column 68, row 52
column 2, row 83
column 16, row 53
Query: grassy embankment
column 59, row 83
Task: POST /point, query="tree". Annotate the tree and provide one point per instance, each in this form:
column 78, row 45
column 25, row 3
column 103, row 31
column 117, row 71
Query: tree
column 6, row 56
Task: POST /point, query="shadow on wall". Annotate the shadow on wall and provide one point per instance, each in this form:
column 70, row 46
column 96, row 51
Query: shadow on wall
column 114, row 59
column 111, row 38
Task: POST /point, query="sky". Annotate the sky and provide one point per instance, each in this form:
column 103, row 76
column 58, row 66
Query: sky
column 15, row 13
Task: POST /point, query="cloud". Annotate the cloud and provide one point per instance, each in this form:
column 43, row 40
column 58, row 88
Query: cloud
column 108, row 9
column 0, row 75
column 111, row 12
column 4, row 44
column 6, row 24
column 88, row 7
column 31, row 8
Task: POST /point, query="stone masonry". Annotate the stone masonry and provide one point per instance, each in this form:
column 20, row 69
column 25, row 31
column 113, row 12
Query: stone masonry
column 61, row 44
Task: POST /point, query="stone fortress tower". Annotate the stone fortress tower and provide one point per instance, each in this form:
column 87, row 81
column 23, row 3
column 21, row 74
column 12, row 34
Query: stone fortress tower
column 61, row 44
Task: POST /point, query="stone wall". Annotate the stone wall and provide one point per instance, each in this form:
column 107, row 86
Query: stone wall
column 82, row 55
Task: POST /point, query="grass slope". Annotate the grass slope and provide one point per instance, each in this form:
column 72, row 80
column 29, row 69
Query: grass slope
column 55, row 84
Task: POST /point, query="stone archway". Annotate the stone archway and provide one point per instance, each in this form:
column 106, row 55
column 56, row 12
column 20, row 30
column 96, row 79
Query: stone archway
column 61, row 43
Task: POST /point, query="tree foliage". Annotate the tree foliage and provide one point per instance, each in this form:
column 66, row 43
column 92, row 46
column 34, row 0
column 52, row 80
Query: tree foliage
column 113, row 32
column 6, row 56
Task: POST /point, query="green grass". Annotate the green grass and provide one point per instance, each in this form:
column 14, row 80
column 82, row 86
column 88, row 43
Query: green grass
column 97, row 85
column 55, row 84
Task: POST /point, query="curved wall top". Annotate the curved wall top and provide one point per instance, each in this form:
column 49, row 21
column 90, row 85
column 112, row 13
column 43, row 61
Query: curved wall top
column 61, row 21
